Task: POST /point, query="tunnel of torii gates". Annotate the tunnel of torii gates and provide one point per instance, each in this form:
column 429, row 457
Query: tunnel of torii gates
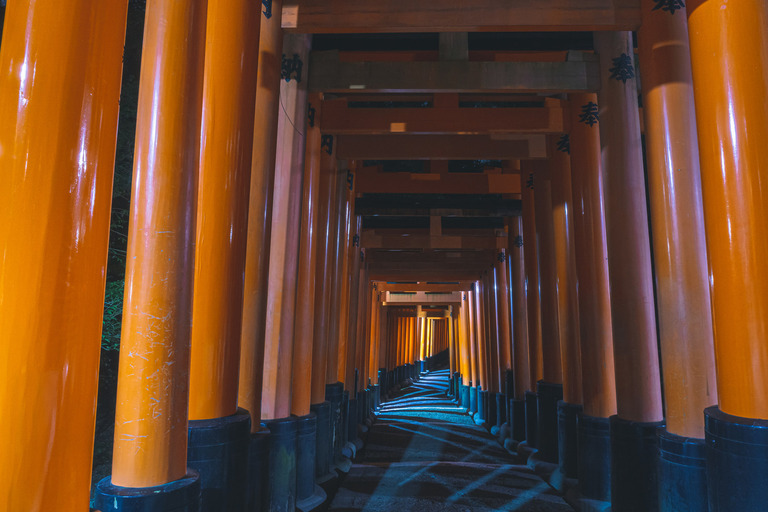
column 281, row 280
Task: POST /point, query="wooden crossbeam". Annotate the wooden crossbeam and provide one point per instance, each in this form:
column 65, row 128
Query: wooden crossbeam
column 360, row 16
column 339, row 119
column 436, row 183
column 439, row 147
column 425, row 287
column 376, row 240
column 328, row 73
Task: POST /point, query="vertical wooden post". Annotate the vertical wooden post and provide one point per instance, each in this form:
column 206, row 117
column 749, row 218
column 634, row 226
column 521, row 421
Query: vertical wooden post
column 533, row 303
column 729, row 54
column 59, row 92
column 638, row 388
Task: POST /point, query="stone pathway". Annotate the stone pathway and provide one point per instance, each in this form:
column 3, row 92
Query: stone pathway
column 425, row 454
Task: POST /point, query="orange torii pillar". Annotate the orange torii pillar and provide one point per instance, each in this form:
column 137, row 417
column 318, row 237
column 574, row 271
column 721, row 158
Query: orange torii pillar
column 465, row 380
column 568, row 305
column 682, row 276
column 533, row 303
column 256, row 275
column 504, row 312
column 308, row 495
column 283, row 267
column 596, row 337
column 453, row 360
column 59, row 92
column 319, row 405
column 474, row 367
column 549, row 389
column 495, row 352
column 482, row 353
column 521, row 370
column 423, row 333
column 218, row 431
column 150, row 450
column 350, row 378
column 729, row 55
column 638, row 388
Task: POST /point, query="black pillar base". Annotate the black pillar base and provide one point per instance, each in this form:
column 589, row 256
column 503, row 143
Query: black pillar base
column 594, row 465
column 517, row 420
column 531, row 419
column 568, row 438
column 501, row 412
column 492, row 419
column 682, row 473
column 306, row 452
column 178, row 496
column 422, row 367
column 258, row 468
column 737, row 461
column 323, row 440
column 334, row 393
column 549, row 394
column 218, row 451
column 352, row 426
column 482, row 406
column 464, row 396
column 634, row 455
column 472, row 400
column 281, row 490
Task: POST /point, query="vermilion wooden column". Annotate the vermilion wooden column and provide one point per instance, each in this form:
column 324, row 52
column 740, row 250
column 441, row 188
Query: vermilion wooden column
column 256, row 275
column 354, row 265
column 283, row 260
column 531, row 280
column 480, row 335
column 332, row 370
column 151, row 417
column 229, row 94
column 474, row 370
column 59, row 92
column 464, row 342
column 493, row 331
column 348, row 220
column 638, row 388
column 682, row 276
column 305, row 297
column 567, row 303
column 504, row 312
column 729, row 54
column 596, row 336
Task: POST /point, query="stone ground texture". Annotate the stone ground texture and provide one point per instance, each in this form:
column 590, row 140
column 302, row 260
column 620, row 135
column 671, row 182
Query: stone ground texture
column 425, row 454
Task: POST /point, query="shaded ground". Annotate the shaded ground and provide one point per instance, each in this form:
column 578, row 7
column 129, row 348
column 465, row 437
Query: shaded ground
column 425, row 454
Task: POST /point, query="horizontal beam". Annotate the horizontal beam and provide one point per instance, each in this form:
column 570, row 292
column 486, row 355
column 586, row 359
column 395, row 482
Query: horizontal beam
column 439, row 147
column 425, row 287
column 435, row 183
column 423, row 298
column 374, row 240
column 328, row 74
column 359, row 16
column 339, row 119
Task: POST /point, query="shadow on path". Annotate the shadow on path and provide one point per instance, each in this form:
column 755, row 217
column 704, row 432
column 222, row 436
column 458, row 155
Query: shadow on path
column 425, row 454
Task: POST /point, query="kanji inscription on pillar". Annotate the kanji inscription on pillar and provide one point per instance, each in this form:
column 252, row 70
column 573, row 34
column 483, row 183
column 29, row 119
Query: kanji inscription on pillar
column 671, row 6
column 564, row 144
column 291, row 68
column 589, row 114
column 622, row 68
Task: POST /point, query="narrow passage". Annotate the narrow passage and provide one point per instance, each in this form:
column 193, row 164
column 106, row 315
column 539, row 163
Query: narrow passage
column 425, row 454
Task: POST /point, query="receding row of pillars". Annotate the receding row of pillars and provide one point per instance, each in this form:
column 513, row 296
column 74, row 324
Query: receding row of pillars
column 216, row 340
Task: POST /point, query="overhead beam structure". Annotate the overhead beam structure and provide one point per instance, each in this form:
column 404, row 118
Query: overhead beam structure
column 440, row 147
column 375, row 239
column 328, row 73
column 375, row 16
column 339, row 119
column 418, row 298
column 425, row 287
column 369, row 181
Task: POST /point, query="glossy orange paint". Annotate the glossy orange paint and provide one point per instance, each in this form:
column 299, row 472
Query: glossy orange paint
column 304, row 326
column 480, row 337
column 152, row 391
column 520, row 343
column 339, row 226
column 504, row 312
column 256, row 275
column 57, row 152
column 229, row 94
column 638, row 388
column 729, row 54
column 464, row 342
column 284, row 247
column 566, row 277
column 552, row 370
column 531, row 267
column 679, row 239
column 346, row 264
column 598, row 376
column 471, row 315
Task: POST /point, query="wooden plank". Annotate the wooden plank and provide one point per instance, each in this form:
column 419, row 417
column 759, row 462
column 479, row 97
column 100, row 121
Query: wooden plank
column 451, row 183
column 338, row 119
column 439, row 147
column 374, row 240
column 377, row 16
column 424, row 287
column 327, row 73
